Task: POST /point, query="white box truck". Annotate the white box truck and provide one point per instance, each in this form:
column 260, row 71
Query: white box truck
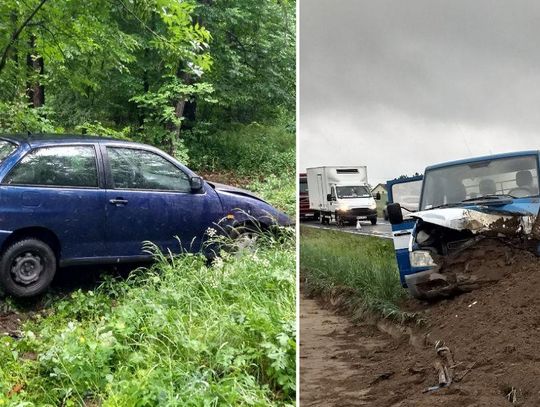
column 341, row 194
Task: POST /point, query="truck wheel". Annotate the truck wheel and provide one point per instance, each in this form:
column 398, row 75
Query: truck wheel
column 373, row 221
column 339, row 220
column 27, row 268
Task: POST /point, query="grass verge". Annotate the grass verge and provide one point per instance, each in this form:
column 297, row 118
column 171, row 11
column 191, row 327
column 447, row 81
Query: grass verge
column 180, row 334
column 362, row 269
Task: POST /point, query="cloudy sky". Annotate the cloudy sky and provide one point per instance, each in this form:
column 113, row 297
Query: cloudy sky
column 398, row 85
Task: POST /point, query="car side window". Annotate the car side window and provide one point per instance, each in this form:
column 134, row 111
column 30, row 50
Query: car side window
column 140, row 169
column 66, row 166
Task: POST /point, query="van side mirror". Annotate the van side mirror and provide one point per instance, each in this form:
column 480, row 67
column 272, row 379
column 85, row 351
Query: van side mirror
column 196, row 184
column 395, row 216
column 329, row 197
column 378, row 196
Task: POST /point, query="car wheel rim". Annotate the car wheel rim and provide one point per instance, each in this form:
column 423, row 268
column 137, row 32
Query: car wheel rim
column 246, row 240
column 27, row 268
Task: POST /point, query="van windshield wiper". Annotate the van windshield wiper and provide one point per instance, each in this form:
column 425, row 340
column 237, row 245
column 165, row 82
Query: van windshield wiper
column 489, row 196
column 494, row 197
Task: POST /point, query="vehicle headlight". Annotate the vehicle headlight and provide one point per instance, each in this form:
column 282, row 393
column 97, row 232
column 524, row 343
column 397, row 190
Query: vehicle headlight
column 421, row 258
column 343, row 208
column 373, row 205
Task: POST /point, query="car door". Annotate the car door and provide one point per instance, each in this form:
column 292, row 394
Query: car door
column 150, row 199
column 58, row 188
column 406, row 192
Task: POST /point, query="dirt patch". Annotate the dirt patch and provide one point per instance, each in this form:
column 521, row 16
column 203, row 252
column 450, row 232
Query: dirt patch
column 492, row 333
column 227, row 177
column 10, row 323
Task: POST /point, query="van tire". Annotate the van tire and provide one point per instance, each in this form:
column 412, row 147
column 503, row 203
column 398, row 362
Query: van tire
column 373, row 220
column 27, row 268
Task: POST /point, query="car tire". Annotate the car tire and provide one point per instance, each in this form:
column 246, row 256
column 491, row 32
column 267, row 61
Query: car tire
column 373, row 221
column 27, row 268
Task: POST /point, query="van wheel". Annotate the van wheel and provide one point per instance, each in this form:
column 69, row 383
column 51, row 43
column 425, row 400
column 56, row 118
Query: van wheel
column 27, row 268
column 373, row 221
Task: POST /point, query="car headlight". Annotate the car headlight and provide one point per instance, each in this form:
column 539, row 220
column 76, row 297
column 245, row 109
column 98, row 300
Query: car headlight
column 421, row 258
column 373, row 205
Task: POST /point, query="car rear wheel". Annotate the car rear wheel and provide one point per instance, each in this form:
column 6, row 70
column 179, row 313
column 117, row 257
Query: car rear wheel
column 27, row 268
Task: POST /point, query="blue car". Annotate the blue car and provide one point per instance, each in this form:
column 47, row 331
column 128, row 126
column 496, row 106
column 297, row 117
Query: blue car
column 461, row 204
column 73, row 200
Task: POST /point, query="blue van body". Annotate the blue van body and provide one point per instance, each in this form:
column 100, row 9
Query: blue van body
column 469, row 218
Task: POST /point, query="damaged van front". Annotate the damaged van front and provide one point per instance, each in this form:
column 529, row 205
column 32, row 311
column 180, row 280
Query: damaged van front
column 465, row 205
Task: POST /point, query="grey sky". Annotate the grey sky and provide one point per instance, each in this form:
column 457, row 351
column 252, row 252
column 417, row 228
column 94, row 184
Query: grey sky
column 398, row 85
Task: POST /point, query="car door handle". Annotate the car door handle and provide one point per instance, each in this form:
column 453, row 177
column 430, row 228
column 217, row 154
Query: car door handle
column 118, row 201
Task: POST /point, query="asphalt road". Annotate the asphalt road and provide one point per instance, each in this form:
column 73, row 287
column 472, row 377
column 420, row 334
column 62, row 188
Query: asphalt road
column 381, row 229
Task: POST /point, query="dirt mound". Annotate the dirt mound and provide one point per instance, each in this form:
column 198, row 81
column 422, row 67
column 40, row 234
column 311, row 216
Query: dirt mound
column 491, row 333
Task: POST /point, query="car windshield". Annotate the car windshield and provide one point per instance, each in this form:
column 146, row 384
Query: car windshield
column 515, row 176
column 303, row 187
column 6, row 148
column 357, row 191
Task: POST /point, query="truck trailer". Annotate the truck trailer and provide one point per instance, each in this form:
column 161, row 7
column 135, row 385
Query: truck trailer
column 341, row 194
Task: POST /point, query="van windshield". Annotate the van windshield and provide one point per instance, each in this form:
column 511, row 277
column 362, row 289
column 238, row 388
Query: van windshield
column 515, row 176
column 6, row 148
column 359, row 191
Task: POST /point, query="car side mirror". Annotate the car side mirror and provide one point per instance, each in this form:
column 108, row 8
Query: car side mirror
column 395, row 216
column 196, row 184
column 378, row 196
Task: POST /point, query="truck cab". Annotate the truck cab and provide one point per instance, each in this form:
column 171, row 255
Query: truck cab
column 350, row 203
column 460, row 204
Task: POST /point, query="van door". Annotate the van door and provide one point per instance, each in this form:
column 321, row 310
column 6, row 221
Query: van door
column 406, row 192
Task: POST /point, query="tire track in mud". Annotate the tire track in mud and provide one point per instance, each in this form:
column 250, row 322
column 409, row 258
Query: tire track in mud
column 337, row 358
column 357, row 364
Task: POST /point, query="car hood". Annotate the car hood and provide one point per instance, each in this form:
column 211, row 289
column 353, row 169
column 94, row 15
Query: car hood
column 234, row 190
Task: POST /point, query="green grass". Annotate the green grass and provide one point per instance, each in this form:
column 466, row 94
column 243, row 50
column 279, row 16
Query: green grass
column 180, row 334
column 279, row 189
column 363, row 268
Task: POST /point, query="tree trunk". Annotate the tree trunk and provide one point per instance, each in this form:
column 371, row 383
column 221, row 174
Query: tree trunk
column 35, row 91
column 16, row 33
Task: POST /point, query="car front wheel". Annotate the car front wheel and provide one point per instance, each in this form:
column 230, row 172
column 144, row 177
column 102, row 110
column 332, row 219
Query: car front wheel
column 27, row 268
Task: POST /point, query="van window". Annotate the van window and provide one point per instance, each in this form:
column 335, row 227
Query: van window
column 66, row 166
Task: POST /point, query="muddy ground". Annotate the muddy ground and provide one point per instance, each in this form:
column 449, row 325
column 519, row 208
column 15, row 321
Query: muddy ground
column 493, row 334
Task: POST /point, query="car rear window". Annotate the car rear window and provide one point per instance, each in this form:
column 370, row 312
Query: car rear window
column 67, row 166
column 6, row 148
